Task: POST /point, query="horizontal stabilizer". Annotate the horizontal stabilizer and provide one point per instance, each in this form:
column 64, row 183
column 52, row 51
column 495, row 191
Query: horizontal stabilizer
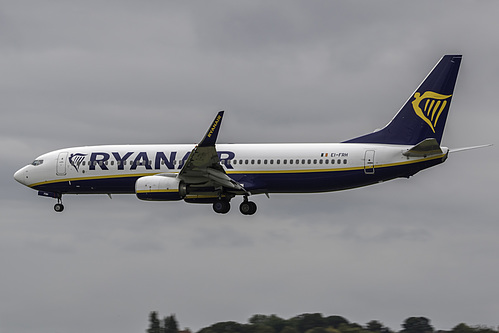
column 424, row 148
column 469, row 148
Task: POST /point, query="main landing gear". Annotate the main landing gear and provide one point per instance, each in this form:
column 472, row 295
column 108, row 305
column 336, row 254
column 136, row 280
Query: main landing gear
column 222, row 206
column 247, row 207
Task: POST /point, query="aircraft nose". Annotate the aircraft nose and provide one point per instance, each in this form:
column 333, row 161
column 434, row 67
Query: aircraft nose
column 21, row 175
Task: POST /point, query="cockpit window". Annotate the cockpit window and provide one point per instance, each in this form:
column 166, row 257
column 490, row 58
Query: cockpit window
column 37, row 162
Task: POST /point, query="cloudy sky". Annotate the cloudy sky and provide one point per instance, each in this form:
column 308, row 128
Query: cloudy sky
column 95, row 72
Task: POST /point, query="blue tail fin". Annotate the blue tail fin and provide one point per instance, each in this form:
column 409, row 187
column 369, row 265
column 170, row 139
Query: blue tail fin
column 423, row 116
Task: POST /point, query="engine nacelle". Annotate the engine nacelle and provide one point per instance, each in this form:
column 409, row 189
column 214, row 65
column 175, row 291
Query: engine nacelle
column 159, row 188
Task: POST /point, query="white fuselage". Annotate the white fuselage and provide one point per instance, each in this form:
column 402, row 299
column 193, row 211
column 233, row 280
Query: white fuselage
column 261, row 168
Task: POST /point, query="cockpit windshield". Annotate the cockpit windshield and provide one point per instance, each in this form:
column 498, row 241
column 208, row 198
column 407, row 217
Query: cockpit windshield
column 37, row 162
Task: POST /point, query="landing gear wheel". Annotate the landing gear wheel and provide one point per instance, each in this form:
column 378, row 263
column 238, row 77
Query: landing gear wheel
column 247, row 207
column 58, row 207
column 221, row 206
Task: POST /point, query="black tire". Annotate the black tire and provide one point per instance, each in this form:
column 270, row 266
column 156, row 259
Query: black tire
column 221, row 206
column 247, row 208
column 58, row 207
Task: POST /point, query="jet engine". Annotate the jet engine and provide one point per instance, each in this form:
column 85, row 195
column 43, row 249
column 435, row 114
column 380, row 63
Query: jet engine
column 160, row 188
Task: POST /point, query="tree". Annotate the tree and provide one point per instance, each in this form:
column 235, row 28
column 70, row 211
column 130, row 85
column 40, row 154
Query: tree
column 225, row 327
column 273, row 321
column 374, row 326
column 170, row 324
column 262, row 329
column 289, row 329
column 307, row 321
column 417, row 325
column 351, row 328
column 154, row 323
column 335, row 321
column 462, row 328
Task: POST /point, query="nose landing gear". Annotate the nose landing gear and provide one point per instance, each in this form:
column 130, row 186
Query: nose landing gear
column 59, row 207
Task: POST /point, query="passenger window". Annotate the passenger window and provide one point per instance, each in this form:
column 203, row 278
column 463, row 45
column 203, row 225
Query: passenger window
column 112, row 162
column 339, row 161
column 83, row 163
column 309, row 162
column 264, row 161
column 278, row 161
column 259, row 161
column 246, row 162
column 302, row 161
column 252, row 161
column 234, row 162
column 315, row 161
column 271, row 161
column 332, row 161
column 285, row 161
column 344, row 161
column 320, row 161
column 326, row 161
column 290, row 161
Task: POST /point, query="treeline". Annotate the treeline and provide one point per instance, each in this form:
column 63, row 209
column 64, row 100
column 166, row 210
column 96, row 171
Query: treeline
column 308, row 323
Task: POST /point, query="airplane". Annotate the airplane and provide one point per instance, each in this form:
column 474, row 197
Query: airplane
column 211, row 173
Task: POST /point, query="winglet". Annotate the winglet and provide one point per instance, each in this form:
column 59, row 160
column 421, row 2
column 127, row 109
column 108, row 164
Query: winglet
column 211, row 135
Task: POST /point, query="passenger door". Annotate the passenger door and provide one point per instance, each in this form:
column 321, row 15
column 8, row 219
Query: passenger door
column 61, row 164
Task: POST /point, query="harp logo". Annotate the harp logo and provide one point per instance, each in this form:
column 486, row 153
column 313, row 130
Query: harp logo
column 429, row 106
column 76, row 159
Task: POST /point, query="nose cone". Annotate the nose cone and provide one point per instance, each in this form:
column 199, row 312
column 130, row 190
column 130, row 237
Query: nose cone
column 21, row 175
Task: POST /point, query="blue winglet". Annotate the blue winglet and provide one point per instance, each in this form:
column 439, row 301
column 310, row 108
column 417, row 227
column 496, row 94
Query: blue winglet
column 211, row 135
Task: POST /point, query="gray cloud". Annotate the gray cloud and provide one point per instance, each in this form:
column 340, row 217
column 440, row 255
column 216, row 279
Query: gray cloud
column 123, row 72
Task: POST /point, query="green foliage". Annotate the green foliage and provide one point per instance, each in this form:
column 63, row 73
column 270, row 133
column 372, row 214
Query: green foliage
column 463, row 328
column 335, row 321
column 170, row 324
column 307, row 323
column 417, row 325
column 374, row 326
column 262, row 329
column 154, row 323
column 351, row 328
column 272, row 321
column 323, row 330
column 226, row 327
column 289, row 329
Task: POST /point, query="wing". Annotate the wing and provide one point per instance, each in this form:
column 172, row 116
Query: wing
column 203, row 168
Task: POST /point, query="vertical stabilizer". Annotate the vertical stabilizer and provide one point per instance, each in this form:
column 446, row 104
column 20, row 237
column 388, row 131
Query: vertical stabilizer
column 423, row 116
